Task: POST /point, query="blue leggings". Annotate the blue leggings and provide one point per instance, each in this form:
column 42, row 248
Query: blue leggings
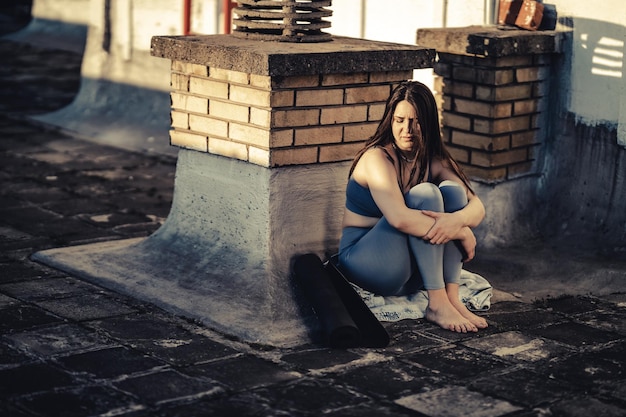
column 385, row 261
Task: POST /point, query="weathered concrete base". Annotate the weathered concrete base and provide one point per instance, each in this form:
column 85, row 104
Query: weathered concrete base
column 223, row 255
column 117, row 114
column 584, row 188
column 47, row 33
column 511, row 215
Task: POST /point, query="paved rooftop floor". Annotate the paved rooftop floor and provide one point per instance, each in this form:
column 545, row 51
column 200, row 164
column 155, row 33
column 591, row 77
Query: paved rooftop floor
column 70, row 348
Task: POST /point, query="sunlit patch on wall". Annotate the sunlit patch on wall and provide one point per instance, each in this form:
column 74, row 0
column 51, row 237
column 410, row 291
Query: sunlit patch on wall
column 608, row 56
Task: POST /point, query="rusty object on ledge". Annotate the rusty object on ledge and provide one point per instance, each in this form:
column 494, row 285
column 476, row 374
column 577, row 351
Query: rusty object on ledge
column 282, row 20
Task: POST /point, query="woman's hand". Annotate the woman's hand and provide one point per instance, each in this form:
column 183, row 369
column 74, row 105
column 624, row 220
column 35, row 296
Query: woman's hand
column 468, row 244
column 447, row 227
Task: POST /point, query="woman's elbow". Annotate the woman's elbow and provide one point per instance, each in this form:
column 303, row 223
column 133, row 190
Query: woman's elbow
column 408, row 225
column 398, row 223
column 395, row 223
column 480, row 212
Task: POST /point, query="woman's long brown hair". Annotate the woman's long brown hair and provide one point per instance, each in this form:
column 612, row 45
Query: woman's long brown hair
column 430, row 145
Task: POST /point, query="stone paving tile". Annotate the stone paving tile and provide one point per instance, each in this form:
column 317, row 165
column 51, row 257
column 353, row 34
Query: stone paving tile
column 365, row 410
column 33, row 378
column 456, row 361
column 576, row 334
column 56, row 340
column 319, row 359
column 110, row 362
column 523, row 387
column 46, row 288
column 409, row 335
column 591, row 370
column 18, row 93
column 20, row 317
column 77, row 402
column 523, row 320
column 86, row 307
column 6, row 301
column 516, row 346
column 62, row 230
column 78, row 205
column 12, row 271
column 164, row 340
column 457, row 401
column 245, row 404
column 313, row 397
column 571, row 305
column 242, row 372
column 7, row 409
column 11, row 357
column 167, row 386
column 580, row 407
column 611, row 321
column 391, row 380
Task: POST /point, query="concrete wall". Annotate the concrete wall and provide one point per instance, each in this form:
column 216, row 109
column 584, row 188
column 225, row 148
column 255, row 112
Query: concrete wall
column 583, row 186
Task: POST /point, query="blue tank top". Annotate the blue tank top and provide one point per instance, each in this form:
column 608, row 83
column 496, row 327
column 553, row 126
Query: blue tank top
column 360, row 201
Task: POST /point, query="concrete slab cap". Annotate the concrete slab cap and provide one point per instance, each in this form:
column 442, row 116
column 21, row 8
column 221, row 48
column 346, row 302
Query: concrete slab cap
column 492, row 41
column 341, row 55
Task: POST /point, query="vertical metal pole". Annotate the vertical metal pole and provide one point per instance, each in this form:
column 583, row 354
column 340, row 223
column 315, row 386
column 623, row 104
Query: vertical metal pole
column 227, row 8
column 186, row 17
column 491, row 7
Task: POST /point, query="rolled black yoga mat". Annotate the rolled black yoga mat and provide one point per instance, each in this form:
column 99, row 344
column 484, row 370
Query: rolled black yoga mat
column 344, row 318
column 338, row 328
column 373, row 333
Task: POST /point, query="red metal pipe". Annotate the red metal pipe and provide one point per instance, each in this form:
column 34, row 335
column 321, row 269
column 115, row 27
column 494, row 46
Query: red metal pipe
column 186, row 17
column 227, row 7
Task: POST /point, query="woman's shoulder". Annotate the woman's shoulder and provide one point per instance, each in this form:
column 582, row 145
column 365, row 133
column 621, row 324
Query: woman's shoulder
column 373, row 160
column 378, row 153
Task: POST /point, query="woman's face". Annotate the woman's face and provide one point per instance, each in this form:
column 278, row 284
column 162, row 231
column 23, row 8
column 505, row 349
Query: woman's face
column 404, row 127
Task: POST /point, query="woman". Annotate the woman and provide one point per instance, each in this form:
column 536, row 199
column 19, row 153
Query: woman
column 410, row 210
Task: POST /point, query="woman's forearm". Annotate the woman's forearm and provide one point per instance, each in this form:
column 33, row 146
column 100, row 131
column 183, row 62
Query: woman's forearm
column 473, row 213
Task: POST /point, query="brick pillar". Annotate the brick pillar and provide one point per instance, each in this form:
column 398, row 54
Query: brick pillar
column 266, row 131
column 493, row 86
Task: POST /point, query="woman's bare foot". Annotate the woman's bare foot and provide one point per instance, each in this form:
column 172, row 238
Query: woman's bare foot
column 440, row 311
column 452, row 290
column 477, row 321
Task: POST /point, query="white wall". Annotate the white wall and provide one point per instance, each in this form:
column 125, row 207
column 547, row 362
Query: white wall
column 398, row 20
column 206, row 16
column 597, row 85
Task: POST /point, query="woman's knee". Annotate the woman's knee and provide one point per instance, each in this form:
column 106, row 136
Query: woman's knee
column 424, row 196
column 454, row 196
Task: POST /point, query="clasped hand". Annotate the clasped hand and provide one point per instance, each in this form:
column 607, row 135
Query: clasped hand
column 447, row 227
